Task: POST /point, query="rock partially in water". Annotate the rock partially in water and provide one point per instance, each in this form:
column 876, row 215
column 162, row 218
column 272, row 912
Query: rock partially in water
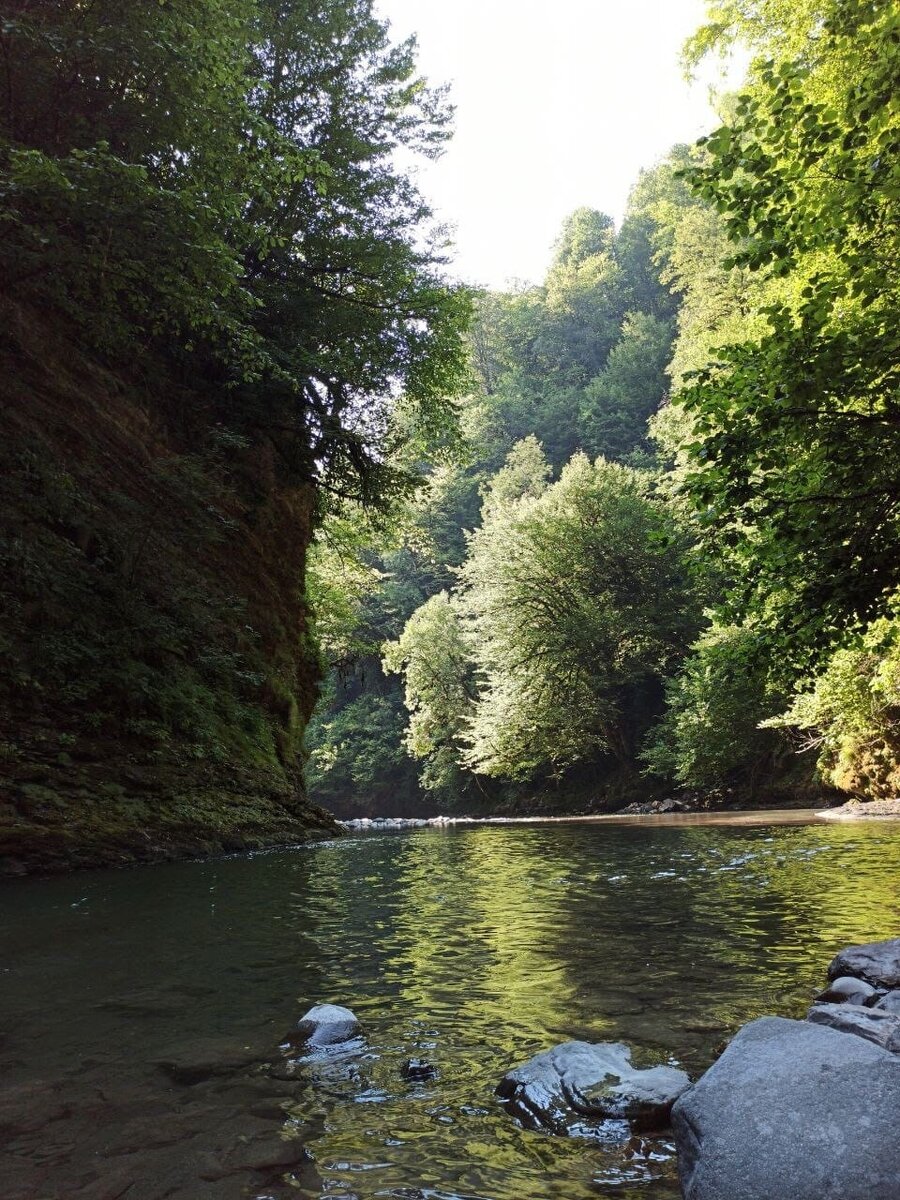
column 875, row 1025
column 326, row 1025
column 876, row 962
column 558, row 1088
column 418, row 1069
column 847, row 989
column 890, row 1003
column 792, row 1110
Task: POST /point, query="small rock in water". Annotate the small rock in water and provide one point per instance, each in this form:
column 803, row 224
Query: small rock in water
column 555, row 1090
column 875, row 1025
column 418, row 1068
column 326, row 1025
column 876, row 962
column 847, row 989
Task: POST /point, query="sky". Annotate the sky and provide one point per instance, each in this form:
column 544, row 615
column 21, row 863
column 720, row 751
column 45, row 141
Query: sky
column 559, row 104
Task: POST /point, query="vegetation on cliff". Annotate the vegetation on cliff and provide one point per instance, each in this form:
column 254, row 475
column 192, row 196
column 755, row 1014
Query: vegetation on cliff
column 222, row 306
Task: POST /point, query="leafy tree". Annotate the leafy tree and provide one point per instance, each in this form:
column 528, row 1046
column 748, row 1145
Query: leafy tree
column 433, row 657
column 576, row 600
column 633, row 385
column 219, row 175
column 851, row 714
column 710, row 734
column 357, row 764
column 794, row 455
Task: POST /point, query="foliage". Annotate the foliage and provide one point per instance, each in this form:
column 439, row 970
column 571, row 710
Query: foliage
column 577, row 362
column 793, row 461
column 433, row 657
column 576, row 599
column 356, row 762
column 619, row 401
column 745, row 306
column 710, row 733
column 212, row 182
column 851, row 715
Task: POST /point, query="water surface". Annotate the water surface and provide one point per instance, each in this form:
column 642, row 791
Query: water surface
column 142, row 1010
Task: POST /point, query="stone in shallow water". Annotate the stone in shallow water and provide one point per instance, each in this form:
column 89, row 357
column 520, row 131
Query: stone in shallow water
column 792, row 1111
column 876, row 962
column 882, row 1028
column 418, row 1068
column 847, row 990
column 326, row 1025
column 558, row 1088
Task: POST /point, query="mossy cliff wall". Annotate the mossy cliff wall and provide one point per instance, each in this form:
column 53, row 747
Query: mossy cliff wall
column 155, row 670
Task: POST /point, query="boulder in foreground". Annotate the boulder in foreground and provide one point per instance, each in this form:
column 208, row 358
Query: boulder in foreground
column 559, row 1088
column 792, row 1111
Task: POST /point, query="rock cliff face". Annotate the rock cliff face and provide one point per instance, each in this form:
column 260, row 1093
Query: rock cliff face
column 156, row 673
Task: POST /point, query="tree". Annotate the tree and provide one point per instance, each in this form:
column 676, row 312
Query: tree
column 633, row 385
column 576, row 600
column 433, row 657
column 794, row 456
column 221, row 175
column 710, row 734
column 850, row 713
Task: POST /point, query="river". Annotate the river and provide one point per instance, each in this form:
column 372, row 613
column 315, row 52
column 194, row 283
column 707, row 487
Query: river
column 143, row 1009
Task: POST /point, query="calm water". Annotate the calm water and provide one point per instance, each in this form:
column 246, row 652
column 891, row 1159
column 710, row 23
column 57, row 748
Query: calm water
column 142, row 1010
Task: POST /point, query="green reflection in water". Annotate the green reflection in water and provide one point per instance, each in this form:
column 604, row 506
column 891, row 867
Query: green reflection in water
column 472, row 947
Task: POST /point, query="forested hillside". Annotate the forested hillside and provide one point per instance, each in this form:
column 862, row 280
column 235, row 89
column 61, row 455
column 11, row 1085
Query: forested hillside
column 215, row 281
column 666, row 554
column 629, row 530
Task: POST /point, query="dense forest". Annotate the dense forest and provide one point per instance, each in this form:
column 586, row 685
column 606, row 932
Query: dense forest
column 630, row 530
column 665, row 553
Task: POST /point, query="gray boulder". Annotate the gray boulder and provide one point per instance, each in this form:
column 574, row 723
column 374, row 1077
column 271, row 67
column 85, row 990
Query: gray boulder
column 792, row 1111
column 558, row 1089
column 882, row 1028
column 326, row 1025
column 876, row 962
column 890, row 1003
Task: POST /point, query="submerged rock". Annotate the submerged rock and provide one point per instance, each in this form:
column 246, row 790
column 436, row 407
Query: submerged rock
column 876, row 962
column 556, row 1089
column 326, row 1025
column 882, row 1028
column 792, row 1110
column 418, row 1068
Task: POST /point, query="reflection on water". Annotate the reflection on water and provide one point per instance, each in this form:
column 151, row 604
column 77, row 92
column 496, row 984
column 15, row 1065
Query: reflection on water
column 142, row 1010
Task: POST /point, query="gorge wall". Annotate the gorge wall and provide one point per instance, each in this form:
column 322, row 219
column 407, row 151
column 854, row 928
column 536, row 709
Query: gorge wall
column 156, row 671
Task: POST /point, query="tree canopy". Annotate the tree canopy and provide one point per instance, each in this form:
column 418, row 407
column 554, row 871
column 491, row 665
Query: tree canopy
column 214, row 183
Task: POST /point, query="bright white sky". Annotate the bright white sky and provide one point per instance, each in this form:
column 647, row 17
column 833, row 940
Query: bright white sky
column 558, row 104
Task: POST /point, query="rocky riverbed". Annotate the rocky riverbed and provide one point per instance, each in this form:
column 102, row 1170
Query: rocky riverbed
column 791, row 1110
column 804, row 1109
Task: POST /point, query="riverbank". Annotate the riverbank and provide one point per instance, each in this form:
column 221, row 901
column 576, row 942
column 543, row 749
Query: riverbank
column 650, row 819
column 864, row 810
column 60, row 820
